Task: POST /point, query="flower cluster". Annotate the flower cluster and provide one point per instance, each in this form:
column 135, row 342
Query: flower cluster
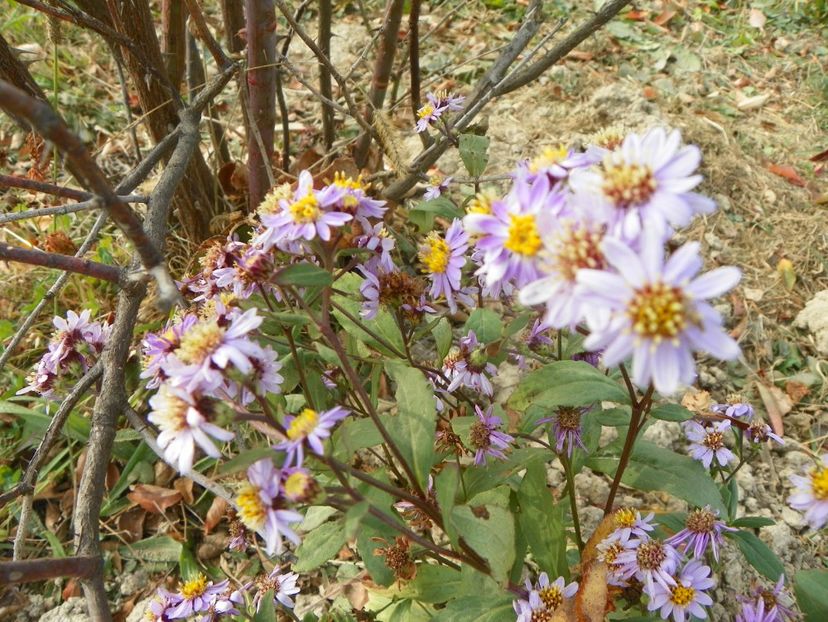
column 76, row 344
column 544, row 598
column 195, row 597
column 437, row 104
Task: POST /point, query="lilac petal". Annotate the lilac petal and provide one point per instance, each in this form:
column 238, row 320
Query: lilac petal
column 625, row 261
column 665, row 369
column 605, row 284
column 714, row 283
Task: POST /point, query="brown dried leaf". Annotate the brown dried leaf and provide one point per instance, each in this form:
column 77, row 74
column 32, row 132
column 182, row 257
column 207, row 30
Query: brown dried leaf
column 184, row 485
column 112, row 475
column 60, row 243
column 796, row 390
column 154, row 498
column 72, row 590
column 697, row 401
column 592, row 601
column 131, row 524
column 788, row 173
column 665, row 16
column 777, row 405
column 212, row 546
column 214, row 515
column 164, row 474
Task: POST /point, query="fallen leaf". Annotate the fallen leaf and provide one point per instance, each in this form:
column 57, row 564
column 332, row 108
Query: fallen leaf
column 580, row 55
column 184, row 485
column 796, row 390
column 665, row 16
column 636, row 16
column 752, row 103
column 777, row 405
column 820, row 157
column 788, row 173
column 696, row 401
column 154, row 498
column 131, row 524
column 72, row 590
column 757, row 19
column 217, row 510
column 212, row 546
column 785, row 269
column 754, row 294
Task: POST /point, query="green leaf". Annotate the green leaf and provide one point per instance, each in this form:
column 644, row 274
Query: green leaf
column 414, row 428
column 267, row 609
column 154, row 549
column 354, row 434
column 498, row 472
column 758, row 554
column 613, row 417
column 486, row 324
column 566, row 383
column 354, row 516
column 654, row 468
column 811, row 587
column 491, row 535
column 11, row 408
column 479, row 608
column 188, row 567
column 320, row 545
column 441, row 206
column 753, row 522
column 304, row 275
column 443, row 337
column 446, row 486
column 383, row 325
column 474, row 151
column 671, row 412
column 244, row 460
column 541, row 521
column 142, row 453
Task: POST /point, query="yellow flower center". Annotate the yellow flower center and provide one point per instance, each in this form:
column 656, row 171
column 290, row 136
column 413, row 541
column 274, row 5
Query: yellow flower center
column 576, row 249
column 682, row 595
column 194, row 587
column 306, row 209
column 481, row 203
column 608, row 556
column 425, row 111
column 609, row 138
column 435, row 254
column 625, row 517
column 523, row 236
column 548, row 157
column 270, row 204
column 296, row 484
column 551, row 597
column 819, row 482
column 349, row 183
column 252, row 510
column 200, row 341
column 658, row 311
column 172, row 415
column 713, row 440
column 303, row 424
column 628, row 185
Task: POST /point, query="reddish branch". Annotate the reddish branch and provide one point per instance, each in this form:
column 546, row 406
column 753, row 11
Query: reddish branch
column 10, row 181
column 203, row 31
column 173, row 39
column 260, row 16
column 382, row 72
column 325, row 18
column 61, row 262
column 31, row 570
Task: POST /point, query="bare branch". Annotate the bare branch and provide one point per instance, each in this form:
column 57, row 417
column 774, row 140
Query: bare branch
column 12, row 181
column 60, row 262
column 32, row 570
column 324, row 38
column 60, row 210
column 216, row 51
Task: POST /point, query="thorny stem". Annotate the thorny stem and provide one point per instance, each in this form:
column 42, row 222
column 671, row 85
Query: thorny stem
column 573, row 505
column 639, row 412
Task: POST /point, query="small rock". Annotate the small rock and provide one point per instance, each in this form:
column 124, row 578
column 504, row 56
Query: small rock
column 793, row 518
column 139, row 610
column 780, row 539
column 590, row 517
column 663, row 433
column 73, row 610
column 814, row 317
column 132, row 582
column 593, row 488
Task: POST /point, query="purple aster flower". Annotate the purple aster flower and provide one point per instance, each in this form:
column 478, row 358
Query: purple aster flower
column 436, row 187
column 264, row 377
column 754, row 611
column 509, row 238
column 377, row 239
column 650, row 561
column 468, row 366
column 739, row 410
column 158, row 347
column 759, row 432
column 443, row 260
column 71, row 331
column 183, row 421
column 262, row 507
column 567, row 428
column 777, row 601
column 531, row 609
column 708, row 443
column 436, row 104
column 354, row 198
column 604, row 142
column 701, row 529
column 196, row 596
column 646, row 180
column 486, row 437
column 160, row 606
column 308, row 214
column 569, row 246
column 283, row 586
column 309, row 427
column 657, row 312
column 552, row 594
column 811, row 494
column 592, row 358
column 535, row 339
column 553, row 162
column 629, row 523
column 608, row 551
column 238, row 536
column 687, row 598
column 253, row 270
column 41, row 380
column 208, row 347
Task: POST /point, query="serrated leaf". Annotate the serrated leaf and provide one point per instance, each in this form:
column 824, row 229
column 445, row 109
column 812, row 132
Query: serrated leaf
column 654, row 468
column 541, row 521
column 415, row 424
column 566, row 383
column 320, row 545
column 758, row 554
column 474, row 151
column 486, row 324
column 491, row 533
column 671, row 412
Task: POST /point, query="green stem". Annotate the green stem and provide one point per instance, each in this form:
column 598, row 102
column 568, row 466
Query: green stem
column 570, row 481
